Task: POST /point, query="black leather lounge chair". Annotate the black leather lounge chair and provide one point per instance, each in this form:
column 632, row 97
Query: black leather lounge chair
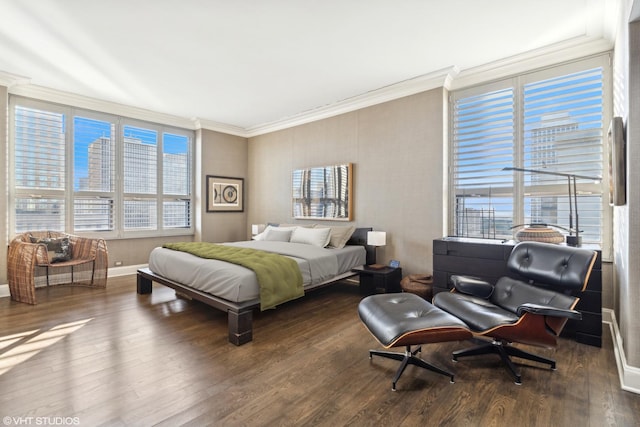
column 531, row 310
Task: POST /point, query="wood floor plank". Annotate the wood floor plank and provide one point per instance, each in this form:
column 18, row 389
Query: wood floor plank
column 112, row 357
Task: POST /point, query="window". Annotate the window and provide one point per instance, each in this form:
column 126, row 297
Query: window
column 176, row 180
column 140, row 178
column 91, row 172
column 553, row 121
column 94, row 146
column 39, row 159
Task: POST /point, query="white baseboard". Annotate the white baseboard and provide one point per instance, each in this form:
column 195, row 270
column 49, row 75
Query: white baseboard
column 125, row 270
column 113, row 272
column 629, row 375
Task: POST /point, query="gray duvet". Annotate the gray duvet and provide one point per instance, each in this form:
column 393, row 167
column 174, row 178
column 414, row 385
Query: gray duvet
column 236, row 283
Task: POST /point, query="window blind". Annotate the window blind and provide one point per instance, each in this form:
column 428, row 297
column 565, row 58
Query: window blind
column 563, row 133
column 176, row 213
column 39, row 213
column 39, row 149
column 39, row 165
column 483, row 141
column 551, row 121
column 140, row 214
column 93, row 214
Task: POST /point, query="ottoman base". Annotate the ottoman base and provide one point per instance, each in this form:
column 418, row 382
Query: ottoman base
column 409, row 358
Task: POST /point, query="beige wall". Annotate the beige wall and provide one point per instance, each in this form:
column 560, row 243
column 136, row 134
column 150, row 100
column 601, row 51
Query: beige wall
column 220, row 155
column 627, row 220
column 397, row 151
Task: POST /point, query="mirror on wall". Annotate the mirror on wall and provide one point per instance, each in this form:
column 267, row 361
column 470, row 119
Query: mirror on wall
column 324, row 192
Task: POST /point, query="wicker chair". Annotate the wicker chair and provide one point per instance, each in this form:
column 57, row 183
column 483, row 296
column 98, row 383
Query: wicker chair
column 29, row 265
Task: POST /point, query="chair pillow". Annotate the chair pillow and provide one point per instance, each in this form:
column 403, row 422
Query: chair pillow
column 59, row 250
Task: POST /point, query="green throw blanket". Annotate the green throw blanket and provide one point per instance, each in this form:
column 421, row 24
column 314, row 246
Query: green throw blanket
column 279, row 277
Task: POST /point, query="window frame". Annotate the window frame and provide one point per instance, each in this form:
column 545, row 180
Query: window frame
column 517, row 82
column 69, row 194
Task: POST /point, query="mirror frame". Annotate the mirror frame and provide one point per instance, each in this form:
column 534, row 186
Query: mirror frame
column 302, row 205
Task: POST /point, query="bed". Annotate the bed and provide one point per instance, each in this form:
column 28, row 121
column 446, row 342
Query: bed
column 234, row 289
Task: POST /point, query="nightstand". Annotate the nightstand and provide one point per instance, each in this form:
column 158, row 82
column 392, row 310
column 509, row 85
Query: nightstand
column 386, row 278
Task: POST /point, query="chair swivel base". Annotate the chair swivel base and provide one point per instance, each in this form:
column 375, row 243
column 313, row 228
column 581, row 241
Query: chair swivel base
column 408, row 358
column 505, row 352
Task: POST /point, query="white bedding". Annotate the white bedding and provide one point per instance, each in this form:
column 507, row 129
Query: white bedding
column 236, row 283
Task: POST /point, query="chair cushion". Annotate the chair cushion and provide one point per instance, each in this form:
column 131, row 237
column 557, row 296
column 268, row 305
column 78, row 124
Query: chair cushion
column 58, row 249
column 472, row 286
column 389, row 317
column 560, row 266
column 510, row 294
column 478, row 313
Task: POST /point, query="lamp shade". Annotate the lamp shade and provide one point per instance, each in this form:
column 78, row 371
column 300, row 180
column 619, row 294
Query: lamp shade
column 376, row 238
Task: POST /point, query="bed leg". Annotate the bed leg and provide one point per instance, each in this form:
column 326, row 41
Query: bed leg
column 144, row 285
column 240, row 326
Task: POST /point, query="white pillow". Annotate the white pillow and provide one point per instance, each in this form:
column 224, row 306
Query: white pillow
column 262, row 235
column 311, row 236
column 340, row 235
column 275, row 235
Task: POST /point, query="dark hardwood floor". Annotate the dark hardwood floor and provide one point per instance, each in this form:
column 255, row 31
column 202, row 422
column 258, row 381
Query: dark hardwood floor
column 114, row 358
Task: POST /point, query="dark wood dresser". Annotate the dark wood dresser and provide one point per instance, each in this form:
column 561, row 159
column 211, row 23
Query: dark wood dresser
column 487, row 259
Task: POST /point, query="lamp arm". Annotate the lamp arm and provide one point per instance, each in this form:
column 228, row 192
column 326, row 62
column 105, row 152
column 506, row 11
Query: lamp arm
column 575, row 202
column 570, row 206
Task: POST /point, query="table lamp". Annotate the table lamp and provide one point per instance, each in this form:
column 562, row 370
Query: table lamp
column 376, row 239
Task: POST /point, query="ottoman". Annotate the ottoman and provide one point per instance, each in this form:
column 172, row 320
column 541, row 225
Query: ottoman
column 405, row 319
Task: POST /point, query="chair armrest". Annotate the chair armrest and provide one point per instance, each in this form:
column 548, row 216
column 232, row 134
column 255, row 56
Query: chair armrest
column 472, row 286
column 545, row 310
column 83, row 247
column 28, row 254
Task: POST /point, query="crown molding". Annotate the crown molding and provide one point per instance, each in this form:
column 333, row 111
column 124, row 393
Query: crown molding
column 408, row 87
column 21, row 86
column 9, row 80
column 576, row 48
column 94, row 104
column 220, row 127
column 451, row 78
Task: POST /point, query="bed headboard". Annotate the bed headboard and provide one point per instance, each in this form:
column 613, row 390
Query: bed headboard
column 359, row 237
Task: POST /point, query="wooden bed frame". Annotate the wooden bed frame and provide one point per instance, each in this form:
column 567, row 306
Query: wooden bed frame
column 239, row 315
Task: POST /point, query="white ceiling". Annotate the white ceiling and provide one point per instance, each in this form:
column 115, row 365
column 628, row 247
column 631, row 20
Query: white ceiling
column 247, row 63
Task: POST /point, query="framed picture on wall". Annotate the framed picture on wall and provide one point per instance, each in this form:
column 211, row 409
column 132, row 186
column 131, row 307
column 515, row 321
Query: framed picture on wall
column 225, row 194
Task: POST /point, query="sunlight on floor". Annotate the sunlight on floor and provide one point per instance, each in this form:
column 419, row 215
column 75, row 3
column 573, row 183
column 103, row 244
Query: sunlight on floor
column 17, row 348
